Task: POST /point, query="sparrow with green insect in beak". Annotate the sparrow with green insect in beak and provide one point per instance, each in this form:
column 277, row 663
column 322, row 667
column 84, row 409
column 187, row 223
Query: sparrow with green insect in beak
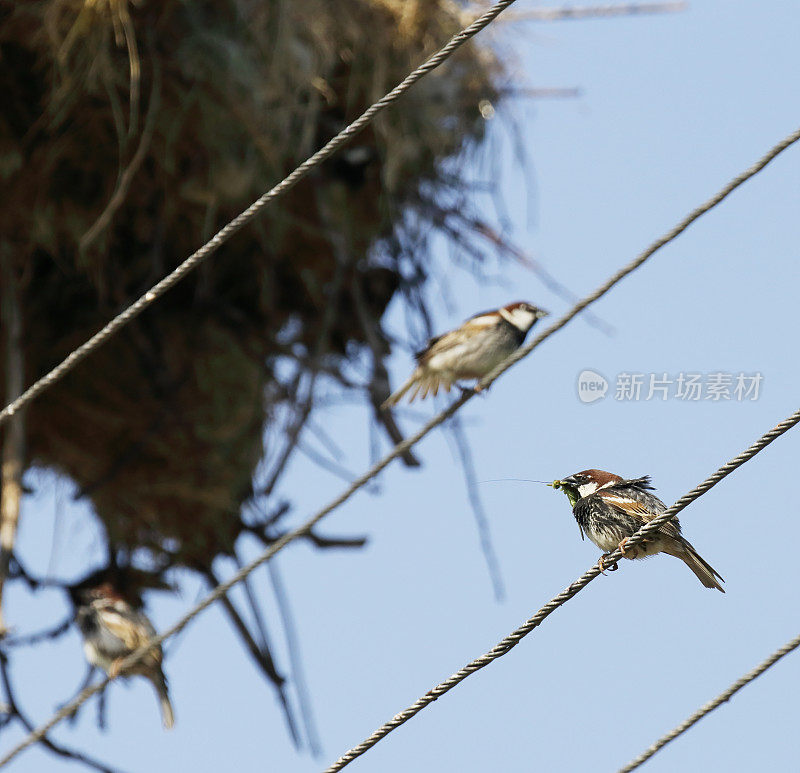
column 610, row 509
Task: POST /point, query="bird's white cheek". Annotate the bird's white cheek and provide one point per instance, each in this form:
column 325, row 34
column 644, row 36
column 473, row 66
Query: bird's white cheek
column 519, row 318
column 524, row 319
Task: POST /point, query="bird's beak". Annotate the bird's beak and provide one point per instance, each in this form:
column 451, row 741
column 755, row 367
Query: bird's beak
column 556, row 484
column 542, row 313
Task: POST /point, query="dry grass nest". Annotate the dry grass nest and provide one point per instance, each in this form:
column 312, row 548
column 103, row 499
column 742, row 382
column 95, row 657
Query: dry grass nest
column 130, row 133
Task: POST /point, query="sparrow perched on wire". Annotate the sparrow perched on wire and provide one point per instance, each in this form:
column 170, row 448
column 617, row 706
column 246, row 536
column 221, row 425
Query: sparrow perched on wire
column 471, row 351
column 609, row 509
column 112, row 629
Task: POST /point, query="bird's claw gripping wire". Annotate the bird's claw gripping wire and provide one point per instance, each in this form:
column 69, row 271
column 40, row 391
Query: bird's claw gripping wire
column 612, row 567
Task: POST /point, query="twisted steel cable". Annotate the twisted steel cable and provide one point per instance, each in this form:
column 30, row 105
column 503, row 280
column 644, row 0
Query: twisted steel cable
column 196, row 258
column 711, row 705
column 515, row 637
column 401, row 448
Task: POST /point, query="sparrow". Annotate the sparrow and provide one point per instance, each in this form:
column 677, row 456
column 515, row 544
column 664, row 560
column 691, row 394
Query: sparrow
column 609, row 509
column 471, row 351
column 112, row 628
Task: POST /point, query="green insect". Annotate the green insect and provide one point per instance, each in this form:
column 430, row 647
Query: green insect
column 570, row 491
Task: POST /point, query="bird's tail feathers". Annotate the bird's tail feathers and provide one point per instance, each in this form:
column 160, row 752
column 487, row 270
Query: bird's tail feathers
column 167, row 713
column 398, row 395
column 428, row 385
column 702, row 569
column 423, row 383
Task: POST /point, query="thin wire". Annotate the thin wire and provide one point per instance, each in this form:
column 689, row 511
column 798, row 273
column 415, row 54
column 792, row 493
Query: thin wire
column 524, row 351
column 516, row 480
column 304, row 529
column 514, row 638
column 235, row 225
column 711, row 705
column 597, row 11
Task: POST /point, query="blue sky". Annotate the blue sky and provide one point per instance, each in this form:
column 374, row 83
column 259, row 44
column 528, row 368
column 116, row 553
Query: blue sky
column 671, row 108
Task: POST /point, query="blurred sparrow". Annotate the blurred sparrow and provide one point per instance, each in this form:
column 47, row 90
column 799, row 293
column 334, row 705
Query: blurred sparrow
column 471, row 351
column 609, row 509
column 112, row 629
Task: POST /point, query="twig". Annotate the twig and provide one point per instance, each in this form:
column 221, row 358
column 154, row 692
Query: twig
column 62, row 751
column 481, row 521
column 262, row 657
column 327, row 543
column 607, row 10
column 16, row 571
column 126, row 178
column 295, row 660
column 545, row 277
column 13, row 451
column 542, row 92
column 305, row 405
column 326, row 440
column 340, row 471
column 35, row 638
column 255, row 609
column 101, row 698
column 263, row 635
column 302, row 412
column 262, row 532
column 378, row 390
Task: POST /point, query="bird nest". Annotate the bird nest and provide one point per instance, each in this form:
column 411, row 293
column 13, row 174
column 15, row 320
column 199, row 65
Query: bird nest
column 130, row 133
